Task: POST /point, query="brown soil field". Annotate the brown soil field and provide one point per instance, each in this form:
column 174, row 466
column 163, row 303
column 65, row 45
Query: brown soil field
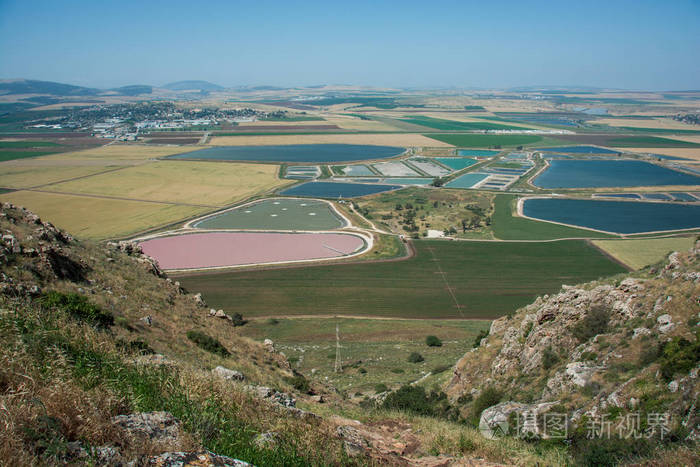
column 276, row 127
column 660, row 123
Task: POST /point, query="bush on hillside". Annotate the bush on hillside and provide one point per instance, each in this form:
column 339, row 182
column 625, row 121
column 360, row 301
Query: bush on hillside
column 208, row 343
column 549, row 358
column 489, row 397
column 595, row 322
column 479, row 337
column 679, row 356
column 433, row 341
column 415, row 399
column 299, row 382
column 79, row 308
column 415, row 357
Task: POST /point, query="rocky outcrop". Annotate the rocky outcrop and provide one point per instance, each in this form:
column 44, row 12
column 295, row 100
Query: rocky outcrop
column 589, row 340
column 194, row 459
column 230, row 375
column 157, row 427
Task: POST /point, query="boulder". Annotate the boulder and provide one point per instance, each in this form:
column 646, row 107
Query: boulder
column 160, row 427
column 580, row 373
column 194, row 459
column 665, row 323
column 225, row 373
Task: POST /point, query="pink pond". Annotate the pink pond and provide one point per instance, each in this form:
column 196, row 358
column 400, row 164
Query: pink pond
column 207, row 250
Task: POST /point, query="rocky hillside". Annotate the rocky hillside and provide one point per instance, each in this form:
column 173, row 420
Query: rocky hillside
column 621, row 356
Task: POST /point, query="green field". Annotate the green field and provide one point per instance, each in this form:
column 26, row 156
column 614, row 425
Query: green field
column 448, row 125
column 12, row 155
column 276, row 214
column 26, row 144
column 649, row 142
column 379, row 347
column 484, row 141
column 489, row 279
column 639, row 253
column 507, row 226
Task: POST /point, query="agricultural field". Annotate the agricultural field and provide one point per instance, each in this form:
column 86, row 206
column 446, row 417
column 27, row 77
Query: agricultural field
column 484, row 141
column 275, row 214
column 119, row 152
column 378, row 139
column 452, row 125
column 374, row 351
column 446, row 279
column 15, row 175
column 638, row 253
column 196, row 183
column 94, row 218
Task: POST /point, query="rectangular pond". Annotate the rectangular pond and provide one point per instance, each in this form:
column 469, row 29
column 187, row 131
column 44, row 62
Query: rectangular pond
column 357, row 171
column 466, row 180
column 625, row 217
column 476, row 152
column 293, row 153
column 336, row 190
column 456, row 163
column 609, row 173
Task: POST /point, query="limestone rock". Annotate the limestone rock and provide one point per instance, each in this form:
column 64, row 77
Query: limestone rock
column 665, row 323
column 225, row 373
column 194, row 459
column 159, row 427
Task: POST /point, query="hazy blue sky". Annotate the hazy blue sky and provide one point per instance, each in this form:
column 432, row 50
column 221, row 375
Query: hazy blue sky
column 627, row 44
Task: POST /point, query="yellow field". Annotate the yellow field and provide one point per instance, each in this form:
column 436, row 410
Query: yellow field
column 352, row 123
column 26, row 176
column 208, row 183
column 689, row 153
column 640, row 253
column 282, row 123
column 388, row 139
column 99, row 219
column 660, row 123
column 117, row 152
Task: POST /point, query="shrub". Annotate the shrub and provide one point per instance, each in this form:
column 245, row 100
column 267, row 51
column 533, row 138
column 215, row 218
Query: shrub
column 679, row 355
column 79, row 308
column 489, row 397
column 440, row 369
column 299, row 382
column 138, row 346
column 208, row 343
column 549, row 358
column 273, row 321
column 595, row 322
column 362, row 371
column 380, row 387
column 238, row 320
column 433, row 341
column 416, row 400
column 482, row 335
column 415, row 357
column 397, row 371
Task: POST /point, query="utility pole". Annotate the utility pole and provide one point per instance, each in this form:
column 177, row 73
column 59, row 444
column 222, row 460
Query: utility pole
column 338, row 363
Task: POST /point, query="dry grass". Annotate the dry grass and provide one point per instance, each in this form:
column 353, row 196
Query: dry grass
column 263, row 123
column 121, row 151
column 354, row 123
column 643, row 252
column 389, row 139
column 188, row 182
column 26, row 176
column 97, row 218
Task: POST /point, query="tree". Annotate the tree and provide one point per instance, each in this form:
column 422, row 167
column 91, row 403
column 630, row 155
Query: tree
column 433, row 341
column 438, row 182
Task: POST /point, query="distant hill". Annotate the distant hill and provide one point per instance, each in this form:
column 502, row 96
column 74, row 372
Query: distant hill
column 134, row 90
column 28, row 86
column 193, row 85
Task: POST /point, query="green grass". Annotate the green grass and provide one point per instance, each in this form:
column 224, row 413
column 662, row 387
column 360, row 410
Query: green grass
column 507, row 226
column 649, row 142
column 485, row 141
column 380, row 346
column 26, row 144
column 441, row 124
column 489, row 279
column 12, row 155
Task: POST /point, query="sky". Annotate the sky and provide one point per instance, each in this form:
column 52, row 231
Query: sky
column 645, row 45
